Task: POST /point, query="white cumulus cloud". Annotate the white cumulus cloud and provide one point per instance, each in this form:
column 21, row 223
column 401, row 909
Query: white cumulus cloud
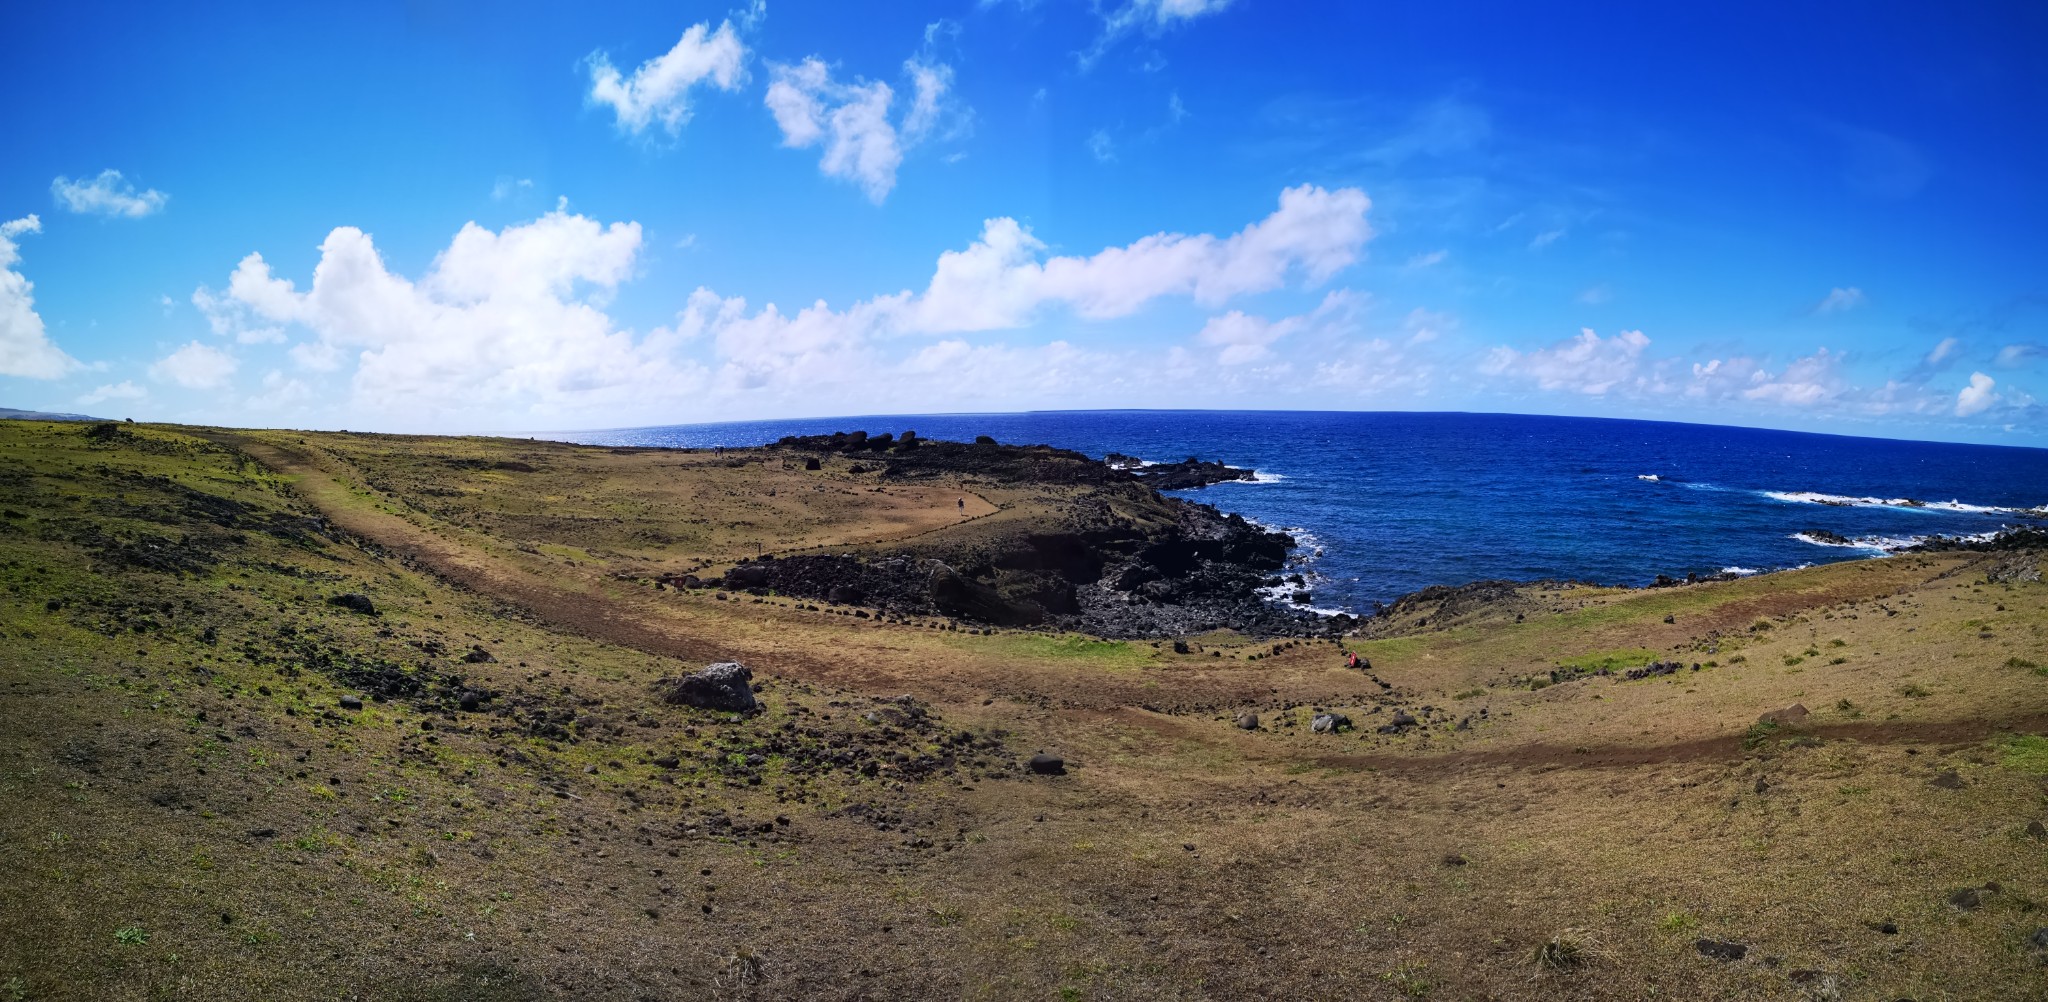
column 509, row 326
column 25, row 347
column 851, row 121
column 1587, row 364
column 659, row 89
column 195, row 367
column 109, row 194
column 1000, row 282
column 1977, row 397
column 500, row 318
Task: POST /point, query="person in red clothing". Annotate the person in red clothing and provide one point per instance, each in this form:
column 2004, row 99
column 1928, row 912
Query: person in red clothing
column 1351, row 660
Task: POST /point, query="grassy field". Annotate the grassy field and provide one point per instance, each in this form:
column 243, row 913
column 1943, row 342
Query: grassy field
column 515, row 813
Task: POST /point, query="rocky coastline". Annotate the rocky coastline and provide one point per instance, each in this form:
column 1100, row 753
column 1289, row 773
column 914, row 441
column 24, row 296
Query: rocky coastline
column 1123, row 561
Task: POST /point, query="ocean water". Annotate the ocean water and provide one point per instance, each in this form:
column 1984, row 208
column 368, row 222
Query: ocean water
column 1388, row 503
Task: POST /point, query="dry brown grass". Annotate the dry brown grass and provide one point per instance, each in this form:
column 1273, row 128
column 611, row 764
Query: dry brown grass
column 1573, row 844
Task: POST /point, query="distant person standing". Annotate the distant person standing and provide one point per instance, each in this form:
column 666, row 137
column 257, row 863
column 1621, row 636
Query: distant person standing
column 963, row 505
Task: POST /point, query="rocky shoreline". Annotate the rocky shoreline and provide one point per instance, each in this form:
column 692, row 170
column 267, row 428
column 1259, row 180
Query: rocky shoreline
column 1123, row 561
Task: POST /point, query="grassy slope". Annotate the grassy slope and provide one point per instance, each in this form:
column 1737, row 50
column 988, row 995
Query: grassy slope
column 479, row 859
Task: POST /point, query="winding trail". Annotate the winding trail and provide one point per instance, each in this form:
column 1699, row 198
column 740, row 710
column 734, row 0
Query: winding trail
column 873, row 659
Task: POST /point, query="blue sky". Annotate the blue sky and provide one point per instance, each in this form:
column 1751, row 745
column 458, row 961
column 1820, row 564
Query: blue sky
column 432, row 216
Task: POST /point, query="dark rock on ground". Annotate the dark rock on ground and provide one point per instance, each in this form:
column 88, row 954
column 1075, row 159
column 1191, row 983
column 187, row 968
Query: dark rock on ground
column 1248, row 721
column 2037, row 830
column 1948, row 780
column 354, row 602
column 1971, row 898
column 724, row 686
column 1790, row 716
column 1048, row 765
column 1720, row 950
column 1329, row 723
column 1654, row 669
column 351, row 703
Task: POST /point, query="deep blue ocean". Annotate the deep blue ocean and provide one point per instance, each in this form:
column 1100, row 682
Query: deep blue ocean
column 1388, row 503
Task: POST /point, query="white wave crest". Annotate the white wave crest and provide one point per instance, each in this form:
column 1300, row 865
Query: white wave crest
column 1914, row 504
column 1888, row 544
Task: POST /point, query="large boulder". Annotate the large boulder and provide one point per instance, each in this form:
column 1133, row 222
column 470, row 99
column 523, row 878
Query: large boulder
column 354, row 602
column 724, row 686
column 955, row 594
column 1329, row 723
column 746, row 576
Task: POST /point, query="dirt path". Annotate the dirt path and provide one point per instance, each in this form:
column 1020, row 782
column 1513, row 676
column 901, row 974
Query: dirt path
column 872, row 658
column 557, row 599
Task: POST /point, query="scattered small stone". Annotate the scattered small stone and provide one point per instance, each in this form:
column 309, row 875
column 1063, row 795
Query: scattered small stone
column 668, row 761
column 1888, row 928
column 470, row 701
column 1250, row 722
column 1948, row 780
column 2039, row 940
column 1725, row 952
column 1761, row 785
column 351, row 702
column 2037, row 830
column 1048, row 765
column 1455, row 859
column 262, row 833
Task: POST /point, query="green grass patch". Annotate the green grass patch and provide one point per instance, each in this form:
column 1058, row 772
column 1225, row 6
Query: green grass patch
column 1072, row 647
column 2027, row 753
column 1633, row 657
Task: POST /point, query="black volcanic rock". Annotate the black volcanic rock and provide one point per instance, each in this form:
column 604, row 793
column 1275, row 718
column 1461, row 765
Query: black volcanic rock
column 1189, row 473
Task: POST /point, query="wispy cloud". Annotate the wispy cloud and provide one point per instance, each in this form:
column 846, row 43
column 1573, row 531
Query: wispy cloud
column 1427, row 260
column 195, row 367
column 123, row 390
column 109, row 194
column 506, row 188
column 1839, row 300
column 1101, row 147
column 1143, row 17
